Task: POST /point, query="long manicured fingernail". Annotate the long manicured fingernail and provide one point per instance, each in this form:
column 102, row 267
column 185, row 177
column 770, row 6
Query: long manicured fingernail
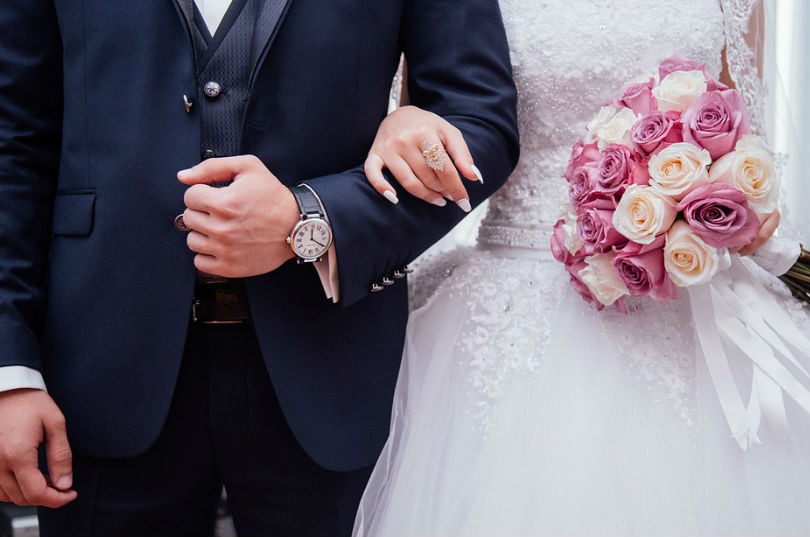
column 64, row 482
column 477, row 173
column 184, row 174
column 439, row 202
column 390, row 196
column 465, row 205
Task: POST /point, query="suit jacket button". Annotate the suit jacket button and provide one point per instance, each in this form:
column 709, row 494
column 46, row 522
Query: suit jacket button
column 208, row 153
column 179, row 224
column 387, row 281
column 376, row 288
column 212, row 89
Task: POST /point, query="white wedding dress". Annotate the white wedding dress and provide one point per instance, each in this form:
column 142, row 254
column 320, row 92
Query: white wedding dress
column 522, row 411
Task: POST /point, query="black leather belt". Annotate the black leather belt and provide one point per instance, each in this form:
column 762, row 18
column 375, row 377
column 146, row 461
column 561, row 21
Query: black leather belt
column 217, row 301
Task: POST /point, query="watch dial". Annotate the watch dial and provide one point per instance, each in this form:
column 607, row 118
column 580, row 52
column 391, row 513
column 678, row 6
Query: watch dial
column 312, row 239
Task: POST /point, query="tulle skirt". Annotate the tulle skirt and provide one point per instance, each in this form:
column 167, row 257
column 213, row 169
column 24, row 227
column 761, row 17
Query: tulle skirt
column 521, row 411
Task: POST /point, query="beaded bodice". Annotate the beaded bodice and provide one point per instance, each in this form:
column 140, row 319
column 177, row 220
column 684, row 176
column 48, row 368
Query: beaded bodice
column 570, row 57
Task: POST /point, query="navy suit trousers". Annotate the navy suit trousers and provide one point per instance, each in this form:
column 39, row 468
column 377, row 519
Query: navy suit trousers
column 225, row 427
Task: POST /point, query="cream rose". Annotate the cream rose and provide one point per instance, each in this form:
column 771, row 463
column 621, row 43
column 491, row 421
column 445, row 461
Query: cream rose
column 601, row 119
column 679, row 90
column 678, row 169
column 689, row 260
column 602, row 279
column 750, row 168
column 568, row 215
column 617, row 129
column 643, row 214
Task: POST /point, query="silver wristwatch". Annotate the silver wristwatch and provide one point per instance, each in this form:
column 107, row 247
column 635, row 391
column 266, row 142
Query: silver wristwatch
column 311, row 236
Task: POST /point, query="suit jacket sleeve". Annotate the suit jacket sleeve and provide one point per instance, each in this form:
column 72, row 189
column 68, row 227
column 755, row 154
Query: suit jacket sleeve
column 458, row 68
column 30, row 127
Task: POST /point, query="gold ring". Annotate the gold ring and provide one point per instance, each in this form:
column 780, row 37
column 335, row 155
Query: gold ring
column 435, row 156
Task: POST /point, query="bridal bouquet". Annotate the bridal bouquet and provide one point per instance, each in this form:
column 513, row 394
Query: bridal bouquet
column 666, row 180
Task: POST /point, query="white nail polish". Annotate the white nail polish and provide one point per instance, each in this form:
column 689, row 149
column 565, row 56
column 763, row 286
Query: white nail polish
column 465, row 205
column 477, row 173
column 390, row 196
column 439, row 202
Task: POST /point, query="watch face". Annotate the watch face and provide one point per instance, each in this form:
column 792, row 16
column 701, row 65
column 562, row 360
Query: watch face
column 311, row 238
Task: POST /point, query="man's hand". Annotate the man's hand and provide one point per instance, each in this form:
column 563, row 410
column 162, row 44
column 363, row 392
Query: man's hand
column 29, row 417
column 239, row 230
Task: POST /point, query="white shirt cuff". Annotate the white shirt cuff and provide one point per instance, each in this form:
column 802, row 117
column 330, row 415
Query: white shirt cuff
column 15, row 377
column 327, row 270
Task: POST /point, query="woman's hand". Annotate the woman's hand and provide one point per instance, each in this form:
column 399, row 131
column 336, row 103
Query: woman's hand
column 414, row 145
column 769, row 224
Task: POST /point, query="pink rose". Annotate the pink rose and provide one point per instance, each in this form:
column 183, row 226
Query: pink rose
column 638, row 97
column 719, row 214
column 595, row 226
column 641, row 267
column 716, row 122
column 558, row 249
column 581, row 155
column 579, row 286
column 656, row 131
column 617, row 169
column 582, row 184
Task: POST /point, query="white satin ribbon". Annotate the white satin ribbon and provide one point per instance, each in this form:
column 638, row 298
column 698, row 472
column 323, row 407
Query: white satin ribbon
column 737, row 321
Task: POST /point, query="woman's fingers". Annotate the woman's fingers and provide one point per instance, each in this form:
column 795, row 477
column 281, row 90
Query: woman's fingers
column 766, row 231
column 460, row 153
column 373, row 167
column 437, row 160
column 403, row 173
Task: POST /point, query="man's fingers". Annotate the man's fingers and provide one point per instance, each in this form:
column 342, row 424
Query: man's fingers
column 35, row 489
column 199, row 243
column 218, row 170
column 200, row 197
column 373, row 168
column 57, row 452
column 11, row 489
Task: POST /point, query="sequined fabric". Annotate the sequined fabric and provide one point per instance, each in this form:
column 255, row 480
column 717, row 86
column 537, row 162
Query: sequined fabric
column 569, row 59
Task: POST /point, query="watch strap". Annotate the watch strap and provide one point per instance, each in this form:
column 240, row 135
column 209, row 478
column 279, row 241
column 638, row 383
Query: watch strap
column 308, row 202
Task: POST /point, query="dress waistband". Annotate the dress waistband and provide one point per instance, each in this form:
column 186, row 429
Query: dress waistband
column 536, row 238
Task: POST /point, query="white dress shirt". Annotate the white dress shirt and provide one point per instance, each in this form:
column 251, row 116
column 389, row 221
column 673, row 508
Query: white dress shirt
column 212, row 12
column 17, row 376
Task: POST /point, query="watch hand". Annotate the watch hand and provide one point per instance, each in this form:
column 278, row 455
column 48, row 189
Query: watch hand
column 318, row 243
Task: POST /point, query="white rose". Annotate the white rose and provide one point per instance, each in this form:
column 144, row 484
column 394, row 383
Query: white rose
column 679, row 90
column 750, row 168
column 605, row 114
column 602, row 280
column 689, row 260
column 678, row 169
column 572, row 241
column 643, row 214
column 617, row 130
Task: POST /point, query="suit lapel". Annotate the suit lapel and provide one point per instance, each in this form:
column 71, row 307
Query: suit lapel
column 271, row 15
column 186, row 8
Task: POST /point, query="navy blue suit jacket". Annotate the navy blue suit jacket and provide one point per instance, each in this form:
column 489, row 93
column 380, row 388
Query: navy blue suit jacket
column 96, row 283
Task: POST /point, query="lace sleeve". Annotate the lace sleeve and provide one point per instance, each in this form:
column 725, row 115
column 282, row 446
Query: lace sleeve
column 743, row 26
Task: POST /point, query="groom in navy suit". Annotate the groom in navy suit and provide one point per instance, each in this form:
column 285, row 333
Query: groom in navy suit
column 159, row 337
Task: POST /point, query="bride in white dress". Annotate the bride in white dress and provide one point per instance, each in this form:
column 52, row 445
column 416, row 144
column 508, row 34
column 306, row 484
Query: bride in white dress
column 521, row 410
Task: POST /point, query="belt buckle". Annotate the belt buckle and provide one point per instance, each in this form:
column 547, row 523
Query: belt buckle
column 220, row 306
